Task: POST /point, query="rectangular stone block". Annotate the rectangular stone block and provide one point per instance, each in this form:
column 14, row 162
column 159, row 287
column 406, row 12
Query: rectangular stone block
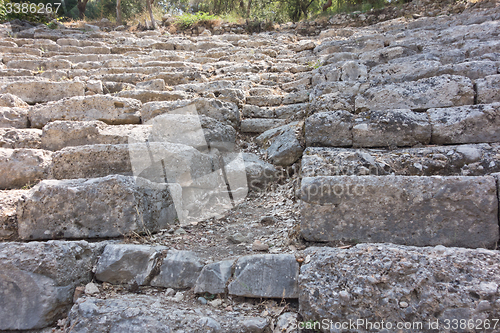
column 179, row 269
column 20, row 138
column 399, row 128
column 266, row 275
column 8, row 218
column 109, row 109
column 434, row 92
column 259, row 125
column 20, row 167
column 42, row 91
column 413, row 210
column 91, row 208
column 13, row 117
column 488, row 89
column 390, row 284
column 466, row 124
column 461, row 160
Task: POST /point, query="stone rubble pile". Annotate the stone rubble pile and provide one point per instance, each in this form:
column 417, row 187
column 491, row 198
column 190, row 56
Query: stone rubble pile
column 393, row 128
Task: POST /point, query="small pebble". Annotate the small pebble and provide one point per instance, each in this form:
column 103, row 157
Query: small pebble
column 403, row 304
column 202, row 300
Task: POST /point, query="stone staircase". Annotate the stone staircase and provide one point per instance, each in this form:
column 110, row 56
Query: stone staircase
column 252, row 183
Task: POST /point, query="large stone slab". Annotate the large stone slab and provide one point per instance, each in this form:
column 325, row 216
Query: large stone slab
column 266, row 275
column 427, row 288
column 413, row 210
column 14, row 117
column 59, row 134
column 43, row 91
column 39, row 279
column 465, row 124
column 461, row 160
column 488, row 89
column 20, row 167
column 98, row 207
column 126, row 263
column 109, row 109
column 259, row 125
column 179, row 269
column 434, row 92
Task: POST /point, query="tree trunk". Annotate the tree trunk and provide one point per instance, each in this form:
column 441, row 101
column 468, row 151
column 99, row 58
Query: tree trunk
column 150, row 10
column 118, row 12
column 249, row 7
column 81, row 5
column 327, row 5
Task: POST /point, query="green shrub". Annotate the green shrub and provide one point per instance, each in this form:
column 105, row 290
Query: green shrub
column 188, row 20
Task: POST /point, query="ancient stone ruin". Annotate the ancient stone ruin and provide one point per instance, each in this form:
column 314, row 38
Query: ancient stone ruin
column 346, row 181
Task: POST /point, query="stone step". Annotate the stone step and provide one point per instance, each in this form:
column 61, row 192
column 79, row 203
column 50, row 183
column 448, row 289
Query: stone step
column 435, row 92
column 20, row 138
column 41, row 92
column 412, row 283
column 21, row 167
column 98, row 207
column 404, row 127
column 408, row 210
column 111, row 110
column 461, row 160
column 146, row 96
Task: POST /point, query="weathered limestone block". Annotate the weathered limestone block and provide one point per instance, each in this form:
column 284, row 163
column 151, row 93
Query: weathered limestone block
column 376, row 283
column 40, row 65
column 283, row 145
column 465, row 124
column 333, row 128
column 145, row 95
column 126, row 263
column 266, row 275
column 14, row 117
column 390, row 128
column 20, row 167
column 296, row 97
column 404, row 71
column 439, row 91
column 93, row 208
column 471, row 69
column 414, row 210
column 214, row 277
column 8, row 219
column 20, row 138
column 59, row 134
column 134, row 312
column 12, row 101
column 109, row 109
column 157, row 84
column 269, row 100
column 91, row 161
column 488, row 89
column 259, row 125
column 462, row 160
column 42, row 91
column 179, row 269
column 39, row 279
column 224, row 112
